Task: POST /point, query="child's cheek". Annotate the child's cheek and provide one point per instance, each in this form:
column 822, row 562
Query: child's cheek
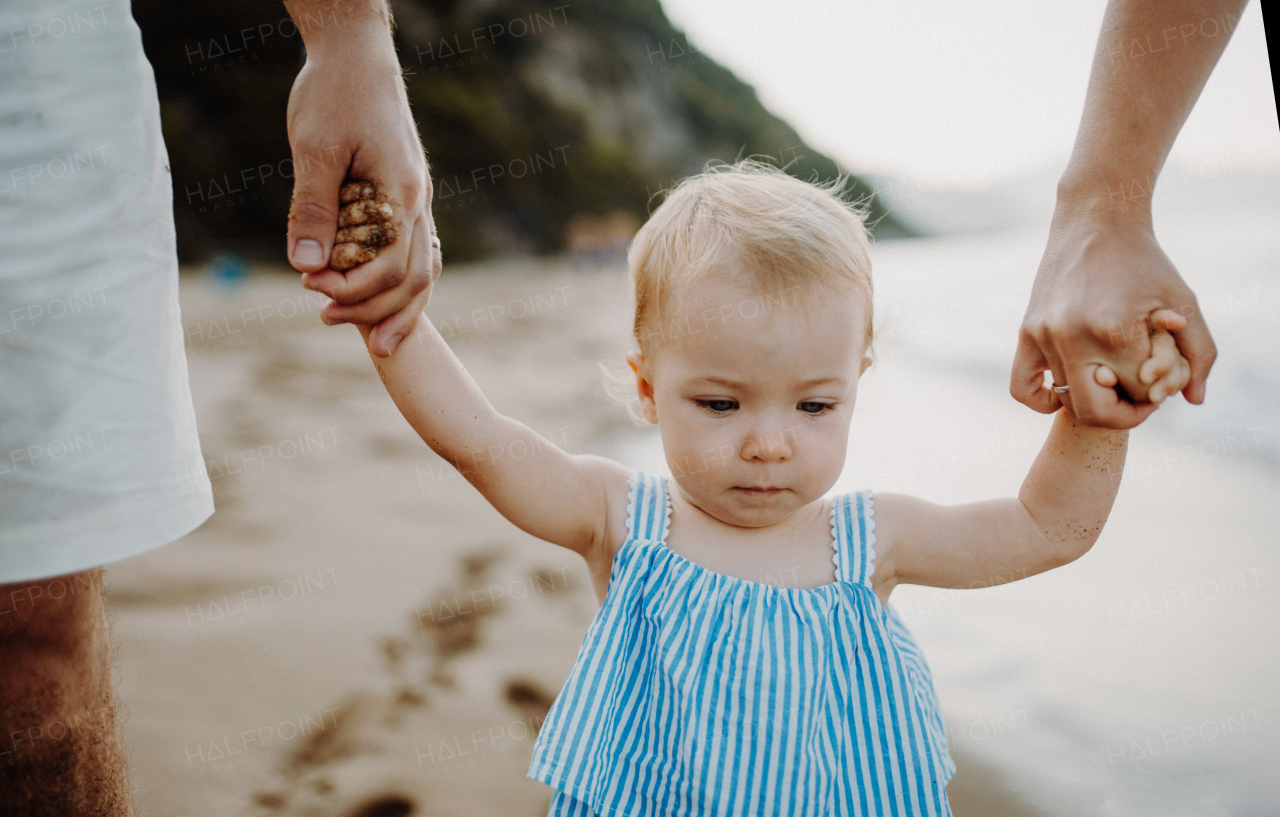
column 700, row 460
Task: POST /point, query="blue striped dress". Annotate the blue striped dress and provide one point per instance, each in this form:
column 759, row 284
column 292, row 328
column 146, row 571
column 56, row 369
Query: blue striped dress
column 697, row 693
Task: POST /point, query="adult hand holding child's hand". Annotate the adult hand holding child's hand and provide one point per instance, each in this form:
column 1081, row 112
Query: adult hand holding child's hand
column 1099, row 299
column 349, row 119
column 1103, row 289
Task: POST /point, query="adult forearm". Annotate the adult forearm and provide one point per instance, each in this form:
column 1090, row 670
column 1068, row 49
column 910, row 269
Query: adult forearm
column 1073, row 483
column 1152, row 61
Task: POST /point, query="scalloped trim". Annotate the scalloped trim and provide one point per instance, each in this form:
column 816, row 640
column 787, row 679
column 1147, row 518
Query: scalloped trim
column 666, row 518
column 870, row 521
column 835, row 537
column 633, row 482
column 633, row 485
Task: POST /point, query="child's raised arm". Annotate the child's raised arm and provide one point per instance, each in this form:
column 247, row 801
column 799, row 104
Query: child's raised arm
column 1055, row 519
column 571, row 501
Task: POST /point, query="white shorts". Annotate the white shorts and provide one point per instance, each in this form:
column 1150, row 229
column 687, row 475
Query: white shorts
column 99, row 457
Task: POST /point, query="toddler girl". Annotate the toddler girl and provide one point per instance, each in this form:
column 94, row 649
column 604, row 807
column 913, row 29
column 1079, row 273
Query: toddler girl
column 705, row 685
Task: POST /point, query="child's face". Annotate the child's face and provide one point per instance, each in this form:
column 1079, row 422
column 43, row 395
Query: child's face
column 754, row 397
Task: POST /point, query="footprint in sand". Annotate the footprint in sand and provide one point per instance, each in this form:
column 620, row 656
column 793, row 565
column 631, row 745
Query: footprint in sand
column 425, row 744
column 385, row 807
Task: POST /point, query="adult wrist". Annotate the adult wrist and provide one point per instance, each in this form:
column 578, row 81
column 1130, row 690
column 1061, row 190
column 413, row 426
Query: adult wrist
column 331, row 27
column 1115, row 198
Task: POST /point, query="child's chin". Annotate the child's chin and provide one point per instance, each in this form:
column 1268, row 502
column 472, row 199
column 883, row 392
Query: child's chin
column 756, row 512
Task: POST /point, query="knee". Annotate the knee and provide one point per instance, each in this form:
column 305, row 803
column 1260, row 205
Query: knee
column 54, row 661
column 60, row 747
column 49, row 620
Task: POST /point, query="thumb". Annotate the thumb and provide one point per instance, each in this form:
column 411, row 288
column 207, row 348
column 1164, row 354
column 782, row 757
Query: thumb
column 313, row 212
column 1026, row 381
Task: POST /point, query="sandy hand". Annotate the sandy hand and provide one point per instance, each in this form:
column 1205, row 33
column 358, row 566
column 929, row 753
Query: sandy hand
column 364, row 225
column 1166, row 372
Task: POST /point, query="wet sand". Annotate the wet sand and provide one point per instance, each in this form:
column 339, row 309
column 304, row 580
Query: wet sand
column 356, row 633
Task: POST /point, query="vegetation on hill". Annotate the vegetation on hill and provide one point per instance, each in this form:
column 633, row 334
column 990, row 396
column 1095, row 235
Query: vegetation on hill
column 535, row 116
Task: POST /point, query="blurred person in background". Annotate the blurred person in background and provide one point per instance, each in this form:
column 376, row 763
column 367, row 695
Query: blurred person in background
column 99, row 455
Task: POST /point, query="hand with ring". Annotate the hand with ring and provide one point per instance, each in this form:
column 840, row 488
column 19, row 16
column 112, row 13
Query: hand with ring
column 1165, row 372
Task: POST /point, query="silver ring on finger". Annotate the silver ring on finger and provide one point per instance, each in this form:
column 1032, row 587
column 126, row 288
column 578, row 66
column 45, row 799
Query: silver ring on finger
column 1060, row 389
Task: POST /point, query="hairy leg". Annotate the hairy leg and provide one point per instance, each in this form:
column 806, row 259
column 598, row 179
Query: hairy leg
column 60, row 747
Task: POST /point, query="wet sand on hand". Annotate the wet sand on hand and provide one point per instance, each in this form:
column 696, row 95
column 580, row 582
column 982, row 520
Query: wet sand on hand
column 356, row 633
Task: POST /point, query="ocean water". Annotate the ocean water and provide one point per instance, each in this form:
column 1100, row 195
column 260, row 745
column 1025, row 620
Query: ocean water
column 1143, row 679
column 957, row 300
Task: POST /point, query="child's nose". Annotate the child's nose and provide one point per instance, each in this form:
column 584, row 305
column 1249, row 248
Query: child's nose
column 767, row 444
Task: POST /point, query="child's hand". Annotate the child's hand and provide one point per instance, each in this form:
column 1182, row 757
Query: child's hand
column 1166, row 371
column 364, row 225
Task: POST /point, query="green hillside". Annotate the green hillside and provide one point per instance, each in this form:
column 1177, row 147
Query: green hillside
column 531, row 114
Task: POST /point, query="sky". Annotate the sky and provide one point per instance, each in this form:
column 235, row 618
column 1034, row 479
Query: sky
column 962, row 94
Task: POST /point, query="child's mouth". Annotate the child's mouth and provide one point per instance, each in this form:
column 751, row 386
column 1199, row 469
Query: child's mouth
column 760, row 492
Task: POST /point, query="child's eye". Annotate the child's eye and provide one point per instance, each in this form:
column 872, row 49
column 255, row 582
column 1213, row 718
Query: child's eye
column 717, row 405
column 814, row 407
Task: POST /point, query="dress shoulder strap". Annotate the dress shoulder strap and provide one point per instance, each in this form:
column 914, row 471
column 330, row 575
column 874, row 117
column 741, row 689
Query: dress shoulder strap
column 648, row 508
column 853, row 526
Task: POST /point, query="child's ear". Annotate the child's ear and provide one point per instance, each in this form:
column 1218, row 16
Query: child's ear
column 644, row 386
column 866, row 361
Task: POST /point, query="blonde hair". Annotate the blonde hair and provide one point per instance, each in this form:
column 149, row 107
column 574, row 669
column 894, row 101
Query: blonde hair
column 779, row 234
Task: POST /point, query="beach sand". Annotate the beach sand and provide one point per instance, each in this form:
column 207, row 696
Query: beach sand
column 356, row 633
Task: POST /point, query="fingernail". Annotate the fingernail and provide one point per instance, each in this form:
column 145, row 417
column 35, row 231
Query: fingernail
column 393, row 343
column 308, row 251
